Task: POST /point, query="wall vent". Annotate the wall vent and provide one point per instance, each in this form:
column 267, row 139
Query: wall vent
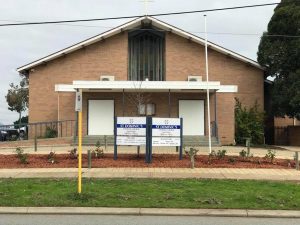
column 195, row 78
column 107, row 78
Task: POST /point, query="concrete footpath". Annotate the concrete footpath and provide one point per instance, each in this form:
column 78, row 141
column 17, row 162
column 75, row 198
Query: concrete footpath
column 168, row 173
column 150, row 212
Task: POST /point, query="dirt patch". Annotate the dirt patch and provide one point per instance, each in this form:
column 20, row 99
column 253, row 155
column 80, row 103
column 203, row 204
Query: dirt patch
column 159, row 160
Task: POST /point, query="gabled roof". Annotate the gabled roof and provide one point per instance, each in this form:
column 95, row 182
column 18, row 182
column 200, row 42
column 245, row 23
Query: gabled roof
column 131, row 25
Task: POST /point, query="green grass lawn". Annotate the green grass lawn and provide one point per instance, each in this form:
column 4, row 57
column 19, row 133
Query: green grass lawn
column 185, row 193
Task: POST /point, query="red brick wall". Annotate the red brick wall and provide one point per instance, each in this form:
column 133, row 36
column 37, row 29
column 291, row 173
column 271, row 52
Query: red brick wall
column 110, row 57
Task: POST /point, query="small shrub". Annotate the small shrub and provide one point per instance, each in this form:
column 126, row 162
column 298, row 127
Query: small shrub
column 52, row 157
column 271, row 155
column 98, row 152
column 211, row 156
column 50, row 132
column 73, row 153
column 249, row 122
column 288, row 163
column 243, row 153
column 232, row 160
column 221, row 154
column 192, row 152
column 22, row 156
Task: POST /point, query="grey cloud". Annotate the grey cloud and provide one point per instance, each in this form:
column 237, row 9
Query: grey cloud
column 21, row 45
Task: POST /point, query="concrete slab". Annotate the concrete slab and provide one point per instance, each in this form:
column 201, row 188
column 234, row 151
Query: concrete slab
column 84, row 210
column 151, row 211
column 168, row 212
column 13, row 210
column 274, row 213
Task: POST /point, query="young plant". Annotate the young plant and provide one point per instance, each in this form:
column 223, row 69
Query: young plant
column 211, row 156
column 73, row 153
column 98, row 152
column 192, row 152
column 243, row 154
column 52, row 157
column 22, row 156
column 232, row 160
column 271, row 155
column 221, row 154
column 50, row 132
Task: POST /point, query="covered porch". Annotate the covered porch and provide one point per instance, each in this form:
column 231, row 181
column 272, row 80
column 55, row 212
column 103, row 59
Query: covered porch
column 103, row 100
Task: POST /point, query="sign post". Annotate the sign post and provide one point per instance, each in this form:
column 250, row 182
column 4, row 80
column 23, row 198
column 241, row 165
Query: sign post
column 78, row 108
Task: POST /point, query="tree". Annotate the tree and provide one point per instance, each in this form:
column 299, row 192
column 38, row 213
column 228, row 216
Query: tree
column 279, row 53
column 249, row 123
column 17, row 97
column 24, row 119
column 138, row 98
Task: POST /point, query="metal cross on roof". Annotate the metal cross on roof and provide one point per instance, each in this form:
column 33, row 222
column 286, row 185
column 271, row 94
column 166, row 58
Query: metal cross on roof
column 146, row 5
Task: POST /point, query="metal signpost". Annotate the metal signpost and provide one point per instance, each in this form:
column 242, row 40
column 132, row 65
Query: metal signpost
column 78, row 108
column 130, row 131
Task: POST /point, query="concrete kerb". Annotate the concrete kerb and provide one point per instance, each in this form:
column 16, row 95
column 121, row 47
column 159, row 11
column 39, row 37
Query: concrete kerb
column 151, row 212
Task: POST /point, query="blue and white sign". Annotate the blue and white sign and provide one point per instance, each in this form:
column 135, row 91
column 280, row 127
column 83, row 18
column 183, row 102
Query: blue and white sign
column 166, row 127
column 131, row 131
column 131, row 126
column 166, row 132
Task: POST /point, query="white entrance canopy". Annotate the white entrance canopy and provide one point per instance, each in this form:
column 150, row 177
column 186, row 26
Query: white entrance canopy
column 146, row 86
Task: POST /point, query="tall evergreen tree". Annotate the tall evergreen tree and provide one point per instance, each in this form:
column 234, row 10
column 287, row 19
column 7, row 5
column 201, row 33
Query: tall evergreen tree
column 279, row 53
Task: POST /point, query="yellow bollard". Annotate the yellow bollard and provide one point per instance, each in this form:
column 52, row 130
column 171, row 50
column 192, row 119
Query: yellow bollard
column 79, row 150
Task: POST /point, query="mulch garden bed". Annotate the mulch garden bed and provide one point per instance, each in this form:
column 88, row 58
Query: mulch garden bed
column 159, row 160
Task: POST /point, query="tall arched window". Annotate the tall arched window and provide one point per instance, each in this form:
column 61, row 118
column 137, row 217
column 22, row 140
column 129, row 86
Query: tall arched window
column 146, row 55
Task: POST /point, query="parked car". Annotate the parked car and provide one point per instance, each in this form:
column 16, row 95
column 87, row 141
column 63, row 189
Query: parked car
column 10, row 133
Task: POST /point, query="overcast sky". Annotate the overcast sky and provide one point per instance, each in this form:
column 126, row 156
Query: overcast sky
column 21, row 45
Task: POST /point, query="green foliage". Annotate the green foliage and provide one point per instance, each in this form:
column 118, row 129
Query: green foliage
column 73, row 153
column 280, row 56
column 221, row 154
column 249, row 123
column 52, row 157
column 243, row 153
column 271, row 155
column 98, row 152
column 24, row 120
column 192, row 152
column 22, row 156
column 232, row 160
column 17, row 97
column 50, row 132
column 211, row 156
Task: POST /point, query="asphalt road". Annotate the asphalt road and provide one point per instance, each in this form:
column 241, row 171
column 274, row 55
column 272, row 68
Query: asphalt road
column 136, row 220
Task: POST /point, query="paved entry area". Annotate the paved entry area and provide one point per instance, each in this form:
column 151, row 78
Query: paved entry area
column 206, row 173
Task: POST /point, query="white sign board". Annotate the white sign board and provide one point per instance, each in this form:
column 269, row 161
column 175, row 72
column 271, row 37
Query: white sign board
column 166, row 127
column 166, row 141
column 127, row 140
column 166, row 132
column 131, row 126
column 131, row 131
column 78, row 101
